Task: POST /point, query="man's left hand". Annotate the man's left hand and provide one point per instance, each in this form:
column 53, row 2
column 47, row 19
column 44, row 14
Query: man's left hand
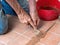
column 35, row 19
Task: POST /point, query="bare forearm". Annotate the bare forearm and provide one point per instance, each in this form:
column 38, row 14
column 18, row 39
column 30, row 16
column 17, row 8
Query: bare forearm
column 32, row 6
column 15, row 5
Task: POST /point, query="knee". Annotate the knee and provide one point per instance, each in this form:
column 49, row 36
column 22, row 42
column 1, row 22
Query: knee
column 3, row 23
column 3, row 26
column 3, row 30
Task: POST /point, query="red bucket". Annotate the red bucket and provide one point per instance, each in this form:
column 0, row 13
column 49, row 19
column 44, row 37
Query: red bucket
column 47, row 14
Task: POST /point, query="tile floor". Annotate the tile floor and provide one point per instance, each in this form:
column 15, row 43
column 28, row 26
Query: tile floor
column 22, row 34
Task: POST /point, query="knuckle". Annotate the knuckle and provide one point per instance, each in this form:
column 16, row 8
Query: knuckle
column 29, row 19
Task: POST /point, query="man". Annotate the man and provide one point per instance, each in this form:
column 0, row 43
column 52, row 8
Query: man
column 25, row 10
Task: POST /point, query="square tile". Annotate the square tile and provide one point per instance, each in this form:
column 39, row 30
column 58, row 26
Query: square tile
column 7, row 37
column 56, row 28
column 51, row 39
column 47, row 25
column 29, row 34
column 19, row 41
column 21, row 28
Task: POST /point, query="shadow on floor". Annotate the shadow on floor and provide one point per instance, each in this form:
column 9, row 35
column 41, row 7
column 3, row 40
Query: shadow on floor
column 40, row 24
column 12, row 20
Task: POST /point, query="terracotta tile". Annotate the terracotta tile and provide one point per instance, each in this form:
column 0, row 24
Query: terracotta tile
column 13, row 21
column 7, row 37
column 47, row 25
column 29, row 33
column 19, row 41
column 50, row 39
column 21, row 28
column 56, row 28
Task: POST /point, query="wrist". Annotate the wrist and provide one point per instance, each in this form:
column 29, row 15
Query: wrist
column 33, row 13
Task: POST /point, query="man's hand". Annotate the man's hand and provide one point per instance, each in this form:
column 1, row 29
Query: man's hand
column 24, row 18
column 33, row 12
column 35, row 19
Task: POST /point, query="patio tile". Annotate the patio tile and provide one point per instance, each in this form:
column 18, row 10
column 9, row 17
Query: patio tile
column 46, row 25
column 18, row 41
column 56, row 28
column 7, row 37
column 21, row 28
column 51, row 39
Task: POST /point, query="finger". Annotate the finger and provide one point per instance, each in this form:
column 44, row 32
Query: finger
column 25, row 22
column 34, row 21
column 38, row 21
column 32, row 24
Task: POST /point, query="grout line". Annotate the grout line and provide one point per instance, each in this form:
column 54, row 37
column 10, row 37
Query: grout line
column 55, row 33
column 27, row 30
column 17, row 38
column 51, row 27
column 11, row 38
column 22, row 35
column 5, row 42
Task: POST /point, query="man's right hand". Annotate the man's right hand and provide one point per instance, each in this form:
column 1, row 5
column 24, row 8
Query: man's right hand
column 24, row 17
